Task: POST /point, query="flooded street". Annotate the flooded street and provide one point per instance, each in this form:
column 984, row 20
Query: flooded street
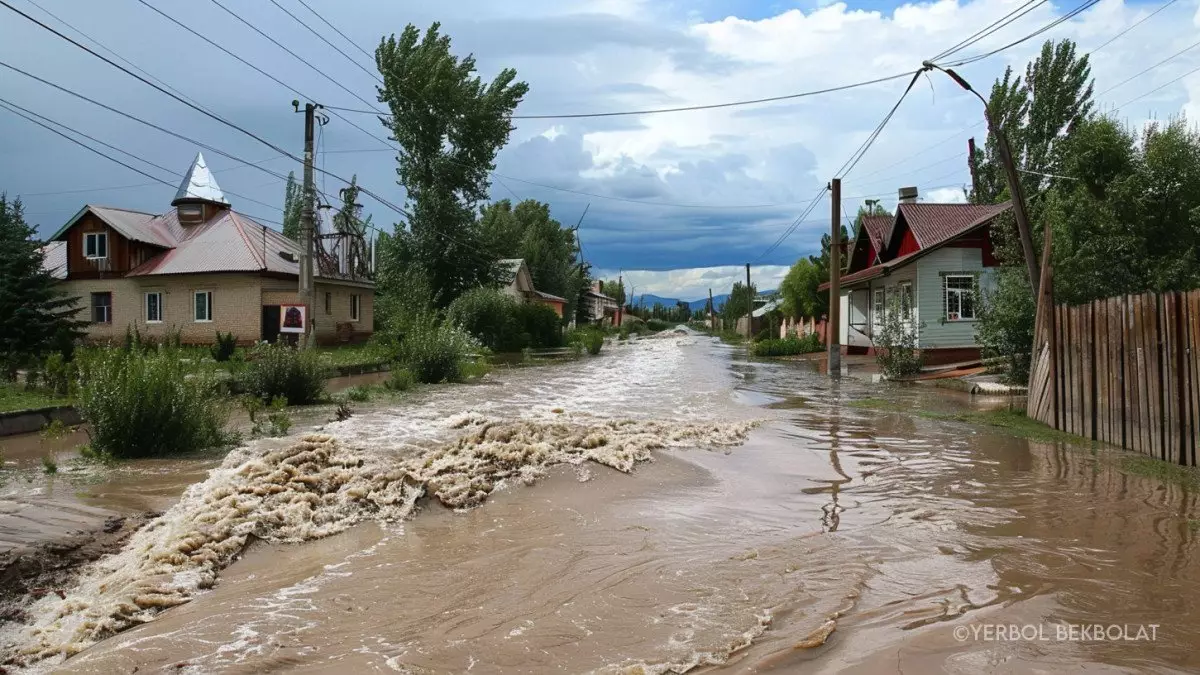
column 776, row 528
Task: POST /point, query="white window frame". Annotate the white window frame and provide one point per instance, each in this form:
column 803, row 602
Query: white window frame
column 109, row 307
column 94, row 239
column 905, row 290
column 355, row 308
column 208, row 305
column 328, row 303
column 958, row 293
column 146, row 306
column 878, row 308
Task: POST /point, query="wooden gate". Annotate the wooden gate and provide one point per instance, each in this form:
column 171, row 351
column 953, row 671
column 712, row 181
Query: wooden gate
column 1124, row 371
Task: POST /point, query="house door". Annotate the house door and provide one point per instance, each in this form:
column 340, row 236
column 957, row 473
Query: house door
column 270, row 323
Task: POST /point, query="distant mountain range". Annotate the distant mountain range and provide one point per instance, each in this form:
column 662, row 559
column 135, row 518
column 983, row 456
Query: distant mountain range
column 649, row 300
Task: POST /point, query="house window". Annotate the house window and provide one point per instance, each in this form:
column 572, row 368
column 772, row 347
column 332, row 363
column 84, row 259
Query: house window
column 154, row 307
column 906, row 299
column 880, row 308
column 95, row 245
column 960, row 297
column 329, row 303
column 102, row 307
column 354, row 307
column 204, row 306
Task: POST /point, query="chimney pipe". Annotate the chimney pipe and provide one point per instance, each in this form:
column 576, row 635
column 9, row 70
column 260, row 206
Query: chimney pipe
column 908, row 195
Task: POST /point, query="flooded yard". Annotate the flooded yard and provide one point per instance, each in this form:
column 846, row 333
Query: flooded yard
column 509, row 526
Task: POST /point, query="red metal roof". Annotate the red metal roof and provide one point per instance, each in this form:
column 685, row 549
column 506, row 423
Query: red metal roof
column 877, row 228
column 934, row 223
column 933, row 227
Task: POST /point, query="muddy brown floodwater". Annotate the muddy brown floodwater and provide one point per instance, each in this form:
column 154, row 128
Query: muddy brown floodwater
column 512, row 527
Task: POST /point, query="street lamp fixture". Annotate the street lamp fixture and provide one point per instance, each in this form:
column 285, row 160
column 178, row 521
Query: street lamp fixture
column 1010, row 173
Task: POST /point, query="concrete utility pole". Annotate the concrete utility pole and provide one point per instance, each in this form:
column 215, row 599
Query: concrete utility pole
column 833, row 327
column 749, row 312
column 307, row 290
column 1010, row 173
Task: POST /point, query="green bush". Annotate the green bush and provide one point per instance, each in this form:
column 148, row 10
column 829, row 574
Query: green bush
column 358, row 394
column 788, row 346
column 225, row 346
column 59, row 374
column 282, row 370
column 657, row 325
column 1006, row 323
column 435, row 352
column 400, row 379
column 143, row 405
column 502, row 324
column 489, row 315
column 896, row 345
column 592, row 340
column 764, row 334
column 539, row 324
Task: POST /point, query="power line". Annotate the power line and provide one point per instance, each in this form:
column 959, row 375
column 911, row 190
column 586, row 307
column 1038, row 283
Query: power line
column 255, row 68
column 1088, row 4
column 214, row 116
column 991, row 28
column 858, row 154
column 792, row 228
column 299, row 58
column 1165, row 5
column 711, row 106
column 1158, row 88
column 1146, row 70
column 322, row 39
column 335, row 29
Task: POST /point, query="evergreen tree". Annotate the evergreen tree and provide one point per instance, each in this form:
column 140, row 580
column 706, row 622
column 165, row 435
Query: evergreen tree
column 38, row 317
column 449, row 132
column 292, row 206
column 740, row 302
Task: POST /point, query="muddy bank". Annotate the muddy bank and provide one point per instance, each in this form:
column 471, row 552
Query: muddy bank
column 30, row 572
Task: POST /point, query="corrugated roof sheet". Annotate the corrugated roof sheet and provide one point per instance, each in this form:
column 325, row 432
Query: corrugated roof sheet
column 935, row 223
column 199, row 183
column 229, row 242
column 509, row 268
column 547, row 296
column 54, row 259
column 877, row 228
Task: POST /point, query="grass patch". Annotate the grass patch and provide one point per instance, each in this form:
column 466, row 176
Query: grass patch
column 353, row 355
column 1014, row 421
column 17, row 397
column 1167, row 472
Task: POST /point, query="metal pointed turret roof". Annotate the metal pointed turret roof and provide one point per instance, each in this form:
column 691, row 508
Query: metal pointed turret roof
column 199, row 185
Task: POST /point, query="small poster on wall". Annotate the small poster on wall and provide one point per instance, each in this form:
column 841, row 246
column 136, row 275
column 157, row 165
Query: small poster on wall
column 291, row 318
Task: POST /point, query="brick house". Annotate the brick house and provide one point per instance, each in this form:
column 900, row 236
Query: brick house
column 198, row 269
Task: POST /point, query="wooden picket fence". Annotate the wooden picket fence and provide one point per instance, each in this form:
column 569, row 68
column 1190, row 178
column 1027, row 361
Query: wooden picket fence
column 1125, row 371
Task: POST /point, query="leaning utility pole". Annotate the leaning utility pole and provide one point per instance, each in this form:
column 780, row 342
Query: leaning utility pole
column 307, row 290
column 750, row 311
column 1010, row 173
column 833, row 325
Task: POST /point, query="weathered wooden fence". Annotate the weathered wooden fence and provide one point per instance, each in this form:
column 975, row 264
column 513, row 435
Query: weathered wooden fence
column 1124, row 371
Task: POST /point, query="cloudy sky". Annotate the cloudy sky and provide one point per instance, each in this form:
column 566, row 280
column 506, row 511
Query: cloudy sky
column 678, row 202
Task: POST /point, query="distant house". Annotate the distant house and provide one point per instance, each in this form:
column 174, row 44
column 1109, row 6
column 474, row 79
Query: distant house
column 518, row 283
column 929, row 259
column 199, row 268
column 600, row 307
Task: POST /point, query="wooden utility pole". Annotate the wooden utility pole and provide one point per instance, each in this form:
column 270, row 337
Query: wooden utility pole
column 712, row 311
column 307, row 290
column 750, row 311
column 833, row 327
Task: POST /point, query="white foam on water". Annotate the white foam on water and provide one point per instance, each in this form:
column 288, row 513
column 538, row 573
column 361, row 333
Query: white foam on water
column 316, row 487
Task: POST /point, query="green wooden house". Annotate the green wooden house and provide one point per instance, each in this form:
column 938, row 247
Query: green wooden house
column 930, row 262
